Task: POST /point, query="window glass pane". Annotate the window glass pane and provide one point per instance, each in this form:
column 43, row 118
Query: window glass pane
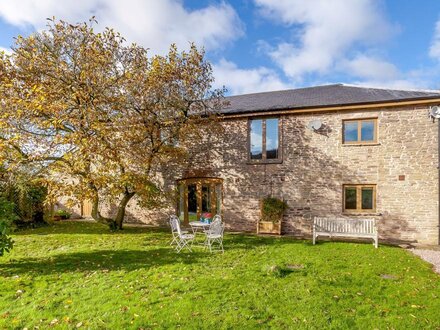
column 367, row 131
column 218, row 195
column 272, row 138
column 181, row 210
column 367, row 198
column 350, row 198
column 256, row 139
column 192, row 202
column 206, row 198
column 350, row 131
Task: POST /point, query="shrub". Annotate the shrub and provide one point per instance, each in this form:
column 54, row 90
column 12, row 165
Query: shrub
column 272, row 209
column 27, row 195
column 6, row 242
column 63, row 214
column 7, row 217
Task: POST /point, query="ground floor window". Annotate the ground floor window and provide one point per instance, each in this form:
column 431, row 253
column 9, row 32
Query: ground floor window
column 359, row 198
column 197, row 196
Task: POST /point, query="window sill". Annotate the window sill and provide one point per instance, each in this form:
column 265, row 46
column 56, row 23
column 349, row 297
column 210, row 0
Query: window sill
column 264, row 162
column 361, row 144
column 362, row 214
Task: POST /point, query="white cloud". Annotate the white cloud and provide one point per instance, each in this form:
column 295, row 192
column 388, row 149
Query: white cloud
column 367, row 67
column 434, row 50
column 240, row 81
column 154, row 24
column 423, row 78
column 7, row 51
column 323, row 32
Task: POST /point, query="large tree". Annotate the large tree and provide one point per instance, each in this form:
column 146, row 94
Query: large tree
column 96, row 116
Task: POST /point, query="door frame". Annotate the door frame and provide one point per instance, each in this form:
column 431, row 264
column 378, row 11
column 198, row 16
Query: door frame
column 199, row 182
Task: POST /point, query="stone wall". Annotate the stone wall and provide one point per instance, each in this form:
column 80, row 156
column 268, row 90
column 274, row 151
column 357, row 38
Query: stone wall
column 316, row 165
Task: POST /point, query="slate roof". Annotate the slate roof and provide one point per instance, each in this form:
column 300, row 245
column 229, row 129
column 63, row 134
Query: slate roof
column 320, row 96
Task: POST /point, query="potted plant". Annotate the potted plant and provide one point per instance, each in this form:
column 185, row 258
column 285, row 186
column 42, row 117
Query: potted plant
column 272, row 211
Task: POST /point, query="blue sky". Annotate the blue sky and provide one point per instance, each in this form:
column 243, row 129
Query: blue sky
column 261, row 45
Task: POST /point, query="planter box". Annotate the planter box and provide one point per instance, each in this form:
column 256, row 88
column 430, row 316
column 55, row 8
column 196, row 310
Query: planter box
column 268, row 227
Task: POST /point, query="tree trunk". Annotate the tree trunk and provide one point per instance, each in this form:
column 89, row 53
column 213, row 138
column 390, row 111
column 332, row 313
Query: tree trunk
column 117, row 222
column 97, row 215
column 119, row 219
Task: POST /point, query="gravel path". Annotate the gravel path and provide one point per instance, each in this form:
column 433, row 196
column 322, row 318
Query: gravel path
column 430, row 256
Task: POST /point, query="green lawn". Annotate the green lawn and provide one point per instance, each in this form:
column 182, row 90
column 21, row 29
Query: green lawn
column 82, row 275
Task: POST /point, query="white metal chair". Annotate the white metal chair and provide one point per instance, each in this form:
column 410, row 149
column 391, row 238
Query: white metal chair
column 215, row 234
column 215, row 218
column 174, row 232
column 181, row 239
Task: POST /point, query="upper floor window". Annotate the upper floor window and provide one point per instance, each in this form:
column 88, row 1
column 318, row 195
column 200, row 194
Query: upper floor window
column 264, row 140
column 360, row 131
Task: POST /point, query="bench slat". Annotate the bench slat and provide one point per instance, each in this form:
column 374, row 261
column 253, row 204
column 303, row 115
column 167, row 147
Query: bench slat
column 345, row 227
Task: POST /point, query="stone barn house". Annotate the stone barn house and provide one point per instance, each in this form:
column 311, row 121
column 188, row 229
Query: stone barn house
column 328, row 150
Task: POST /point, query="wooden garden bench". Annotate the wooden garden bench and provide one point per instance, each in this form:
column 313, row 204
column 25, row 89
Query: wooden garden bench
column 345, row 227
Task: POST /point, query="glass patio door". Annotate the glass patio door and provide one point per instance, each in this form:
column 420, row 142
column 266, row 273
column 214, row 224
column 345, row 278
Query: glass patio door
column 198, row 196
column 191, row 200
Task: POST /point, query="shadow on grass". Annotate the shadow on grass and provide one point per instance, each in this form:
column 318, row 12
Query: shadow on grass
column 87, row 227
column 234, row 240
column 102, row 260
column 129, row 260
column 157, row 252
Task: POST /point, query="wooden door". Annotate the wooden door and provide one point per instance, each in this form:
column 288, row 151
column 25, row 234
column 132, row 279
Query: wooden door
column 86, row 209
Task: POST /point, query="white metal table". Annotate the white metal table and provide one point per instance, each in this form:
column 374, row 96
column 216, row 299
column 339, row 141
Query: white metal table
column 197, row 226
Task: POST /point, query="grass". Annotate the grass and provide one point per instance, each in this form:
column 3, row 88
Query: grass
column 78, row 274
